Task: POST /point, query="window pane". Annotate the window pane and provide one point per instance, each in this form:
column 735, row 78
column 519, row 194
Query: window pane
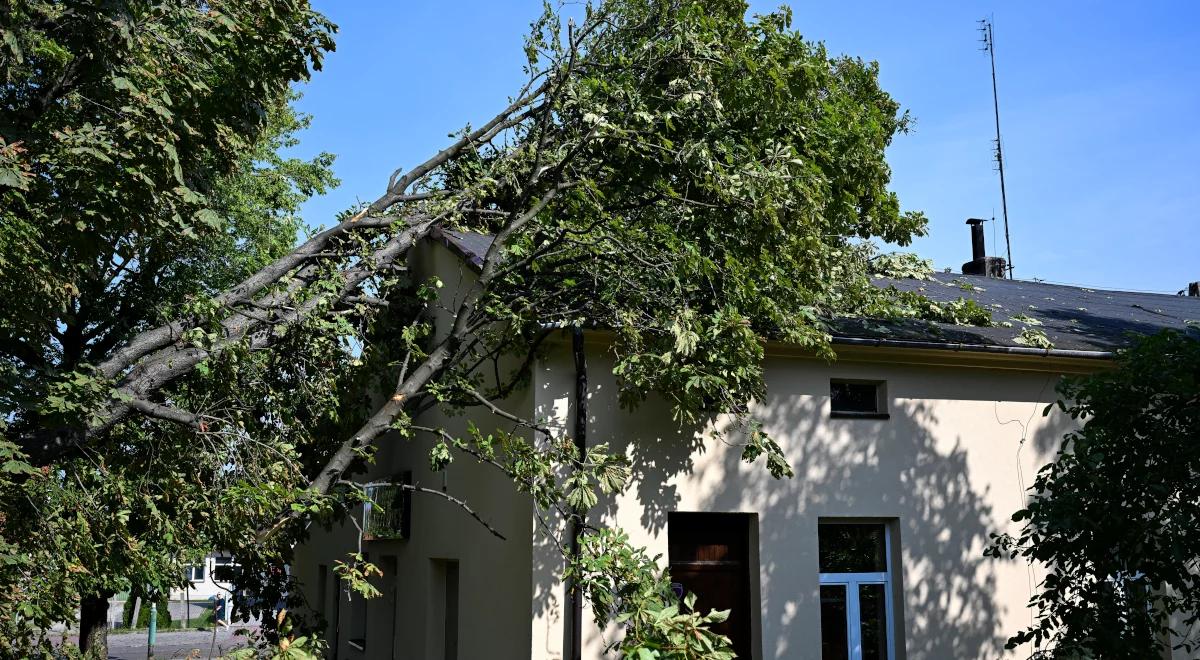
column 873, row 614
column 834, row 642
column 854, row 397
column 854, row 548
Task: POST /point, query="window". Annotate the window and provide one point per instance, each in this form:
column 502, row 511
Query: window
column 323, row 592
column 443, row 601
column 357, row 625
column 709, row 554
column 856, row 591
column 224, row 569
column 195, row 573
column 858, row 398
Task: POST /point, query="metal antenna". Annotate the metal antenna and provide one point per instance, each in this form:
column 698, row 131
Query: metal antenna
column 989, row 45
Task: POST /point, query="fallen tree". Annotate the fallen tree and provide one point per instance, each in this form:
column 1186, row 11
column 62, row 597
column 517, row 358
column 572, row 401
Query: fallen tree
column 695, row 180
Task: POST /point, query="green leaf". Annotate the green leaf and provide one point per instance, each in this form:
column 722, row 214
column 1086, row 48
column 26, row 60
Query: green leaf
column 124, row 84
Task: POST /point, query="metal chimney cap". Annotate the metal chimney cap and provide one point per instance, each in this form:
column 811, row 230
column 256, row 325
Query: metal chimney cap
column 975, row 221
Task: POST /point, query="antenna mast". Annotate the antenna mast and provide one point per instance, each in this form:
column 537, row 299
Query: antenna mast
column 989, row 45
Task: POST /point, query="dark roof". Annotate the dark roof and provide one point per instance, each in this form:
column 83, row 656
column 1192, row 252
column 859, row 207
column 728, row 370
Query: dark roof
column 470, row 246
column 1073, row 318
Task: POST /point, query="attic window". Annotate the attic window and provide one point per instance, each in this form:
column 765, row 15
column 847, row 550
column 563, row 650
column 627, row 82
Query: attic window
column 858, row 398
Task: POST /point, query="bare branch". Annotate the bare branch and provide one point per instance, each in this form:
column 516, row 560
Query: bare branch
column 461, row 504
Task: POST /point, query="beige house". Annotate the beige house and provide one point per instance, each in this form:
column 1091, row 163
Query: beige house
column 909, row 450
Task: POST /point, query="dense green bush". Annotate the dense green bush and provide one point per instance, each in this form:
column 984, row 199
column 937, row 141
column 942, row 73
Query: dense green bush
column 164, row 614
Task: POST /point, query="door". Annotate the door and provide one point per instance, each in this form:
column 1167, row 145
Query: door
column 709, row 555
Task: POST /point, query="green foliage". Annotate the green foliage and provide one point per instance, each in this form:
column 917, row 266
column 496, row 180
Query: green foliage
column 1114, row 517
column 724, row 184
column 902, row 265
column 286, row 644
column 697, row 181
column 139, row 174
column 626, row 587
column 1035, row 337
column 119, row 122
column 357, row 574
column 162, row 621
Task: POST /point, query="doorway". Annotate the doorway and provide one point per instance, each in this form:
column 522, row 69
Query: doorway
column 710, row 555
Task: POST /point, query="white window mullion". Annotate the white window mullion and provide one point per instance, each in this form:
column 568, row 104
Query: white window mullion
column 853, row 621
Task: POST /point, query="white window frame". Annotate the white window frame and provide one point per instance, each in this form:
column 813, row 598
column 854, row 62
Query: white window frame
column 221, row 562
column 851, row 582
column 192, row 569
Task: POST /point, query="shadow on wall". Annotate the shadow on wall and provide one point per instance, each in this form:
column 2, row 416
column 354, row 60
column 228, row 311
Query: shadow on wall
column 906, row 467
column 548, row 565
column 895, row 468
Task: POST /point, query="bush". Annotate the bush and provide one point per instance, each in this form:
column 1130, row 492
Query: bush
column 164, row 614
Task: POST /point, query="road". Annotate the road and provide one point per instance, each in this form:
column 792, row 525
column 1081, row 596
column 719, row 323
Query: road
column 175, row 644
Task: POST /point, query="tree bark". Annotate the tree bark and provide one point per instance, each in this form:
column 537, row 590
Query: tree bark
column 93, row 626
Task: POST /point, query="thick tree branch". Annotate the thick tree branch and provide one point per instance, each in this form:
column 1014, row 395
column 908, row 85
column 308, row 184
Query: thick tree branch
column 169, row 363
column 168, row 413
column 151, row 340
column 436, row 360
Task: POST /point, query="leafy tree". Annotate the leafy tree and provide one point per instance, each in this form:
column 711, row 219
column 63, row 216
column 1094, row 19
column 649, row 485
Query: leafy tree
column 1114, row 518
column 696, row 180
column 138, row 173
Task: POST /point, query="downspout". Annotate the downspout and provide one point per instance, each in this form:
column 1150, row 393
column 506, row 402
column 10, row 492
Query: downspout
column 580, row 438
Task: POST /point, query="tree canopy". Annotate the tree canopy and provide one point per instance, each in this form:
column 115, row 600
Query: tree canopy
column 695, row 179
column 1114, row 518
column 139, row 173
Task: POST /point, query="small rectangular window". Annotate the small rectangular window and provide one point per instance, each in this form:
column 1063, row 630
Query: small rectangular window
column 857, row 398
column 852, row 548
column 195, row 573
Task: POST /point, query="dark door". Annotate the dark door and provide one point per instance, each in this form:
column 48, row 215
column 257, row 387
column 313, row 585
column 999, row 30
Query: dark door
column 709, row 556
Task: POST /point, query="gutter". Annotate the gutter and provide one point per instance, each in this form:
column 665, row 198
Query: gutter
column 975, row 348
column 956, row 347
column 577, row 523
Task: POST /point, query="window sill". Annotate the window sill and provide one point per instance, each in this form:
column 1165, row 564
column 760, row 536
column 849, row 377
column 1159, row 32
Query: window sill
column 859, row 415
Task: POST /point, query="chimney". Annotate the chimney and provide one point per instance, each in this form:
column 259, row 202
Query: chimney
column 980, row 263
column 1193, row 289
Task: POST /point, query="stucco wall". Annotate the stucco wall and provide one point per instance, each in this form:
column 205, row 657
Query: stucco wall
column 494, row 574
column 949, row 467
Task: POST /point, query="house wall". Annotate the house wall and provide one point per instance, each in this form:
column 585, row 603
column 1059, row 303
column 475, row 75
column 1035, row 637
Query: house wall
column 948, row 467
column 208, row 587
column 494, row 575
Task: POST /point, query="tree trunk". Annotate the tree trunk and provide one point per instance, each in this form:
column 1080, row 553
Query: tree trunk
column 93, row 626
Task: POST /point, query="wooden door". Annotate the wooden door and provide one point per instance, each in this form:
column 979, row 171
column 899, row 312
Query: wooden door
column 709, row 556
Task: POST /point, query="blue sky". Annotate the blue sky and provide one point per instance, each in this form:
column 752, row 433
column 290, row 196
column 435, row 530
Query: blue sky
column 1099, row 103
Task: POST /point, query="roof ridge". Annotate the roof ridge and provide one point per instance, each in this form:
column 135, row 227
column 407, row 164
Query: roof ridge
column 1061, row 285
